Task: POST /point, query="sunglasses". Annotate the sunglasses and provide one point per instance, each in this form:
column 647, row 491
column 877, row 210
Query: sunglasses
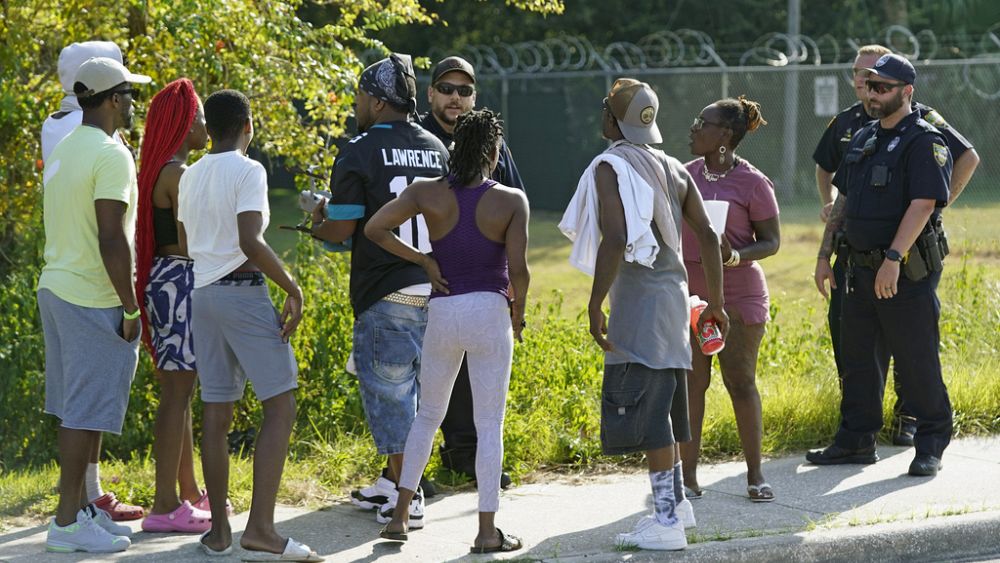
column 882, row 87
column 699, row 123
column 448, row 89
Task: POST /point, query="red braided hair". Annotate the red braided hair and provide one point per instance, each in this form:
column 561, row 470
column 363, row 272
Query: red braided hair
column 168, row 122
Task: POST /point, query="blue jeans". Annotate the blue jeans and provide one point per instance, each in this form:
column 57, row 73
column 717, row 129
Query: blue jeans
column 387, row 342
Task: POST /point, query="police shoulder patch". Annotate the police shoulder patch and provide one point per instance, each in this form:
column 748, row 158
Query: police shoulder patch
column 935, row 119
column 940, row 154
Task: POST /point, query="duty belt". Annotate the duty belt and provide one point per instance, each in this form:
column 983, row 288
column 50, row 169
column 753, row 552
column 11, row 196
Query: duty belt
column 868, row 259
column 404, row 299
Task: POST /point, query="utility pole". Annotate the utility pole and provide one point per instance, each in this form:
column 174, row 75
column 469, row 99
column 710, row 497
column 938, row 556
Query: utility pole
column 791, row 132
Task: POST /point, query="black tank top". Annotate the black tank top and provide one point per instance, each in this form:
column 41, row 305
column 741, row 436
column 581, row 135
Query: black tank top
column 164, row 226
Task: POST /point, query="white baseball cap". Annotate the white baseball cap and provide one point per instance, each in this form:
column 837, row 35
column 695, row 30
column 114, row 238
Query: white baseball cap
column 75, row 54
column 100, row 74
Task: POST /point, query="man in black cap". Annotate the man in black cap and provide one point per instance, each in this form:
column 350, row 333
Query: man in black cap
column 892, row 184
column 388, row 294
column 452, row 93
column 828, row 155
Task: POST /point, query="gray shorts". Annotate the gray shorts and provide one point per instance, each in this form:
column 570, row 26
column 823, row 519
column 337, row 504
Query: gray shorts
column 643, row 408
column 88, row 365
column 237, row 335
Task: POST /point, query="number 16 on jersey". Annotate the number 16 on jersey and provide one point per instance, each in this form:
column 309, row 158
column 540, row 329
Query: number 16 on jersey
column 414, row 231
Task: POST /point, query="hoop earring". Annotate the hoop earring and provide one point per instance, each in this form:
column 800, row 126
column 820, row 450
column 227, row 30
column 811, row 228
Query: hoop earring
column 722, row 155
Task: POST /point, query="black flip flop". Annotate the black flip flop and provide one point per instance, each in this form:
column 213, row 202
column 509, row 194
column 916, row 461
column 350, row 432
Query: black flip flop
column 395, row 536
column 507, row 543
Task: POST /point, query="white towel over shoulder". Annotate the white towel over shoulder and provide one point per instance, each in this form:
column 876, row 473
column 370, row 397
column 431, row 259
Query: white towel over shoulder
column 581, row 224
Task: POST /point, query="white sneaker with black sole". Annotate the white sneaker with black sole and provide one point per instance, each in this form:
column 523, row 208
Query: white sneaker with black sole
column 384, row 513
column 685, row 512
column 650, row 534
column 84, row 535
column 374, row 496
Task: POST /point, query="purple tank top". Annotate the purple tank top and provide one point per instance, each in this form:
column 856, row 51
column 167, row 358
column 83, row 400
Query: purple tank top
column 468, row 260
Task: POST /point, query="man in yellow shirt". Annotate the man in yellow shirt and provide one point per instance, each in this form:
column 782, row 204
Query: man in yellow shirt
column 90, row 316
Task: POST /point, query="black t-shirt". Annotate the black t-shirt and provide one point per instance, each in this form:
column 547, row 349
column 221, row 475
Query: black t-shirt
column 915, row 163
column 370, row 171
column 833, row 144
column 506, row 171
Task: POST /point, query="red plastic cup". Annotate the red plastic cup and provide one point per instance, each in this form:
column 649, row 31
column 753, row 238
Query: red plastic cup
column 709, row 337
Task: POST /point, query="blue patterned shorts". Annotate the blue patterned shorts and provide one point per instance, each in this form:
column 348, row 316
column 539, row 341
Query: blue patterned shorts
column 168, row 304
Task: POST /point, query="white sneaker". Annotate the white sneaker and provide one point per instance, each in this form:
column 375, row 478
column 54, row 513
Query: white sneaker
column 650, row 534
column 84, row 535
column 104, row 520
column 416, row 511
column 685, row 512
column 374, row 496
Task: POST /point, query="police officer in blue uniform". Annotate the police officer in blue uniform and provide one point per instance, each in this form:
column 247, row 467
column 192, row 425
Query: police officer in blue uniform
column 829, row 154
column 892, row 184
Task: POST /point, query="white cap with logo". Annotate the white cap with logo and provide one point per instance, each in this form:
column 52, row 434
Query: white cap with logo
column 100, row 74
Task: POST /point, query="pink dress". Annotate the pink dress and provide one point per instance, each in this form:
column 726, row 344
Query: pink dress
column 751, row 198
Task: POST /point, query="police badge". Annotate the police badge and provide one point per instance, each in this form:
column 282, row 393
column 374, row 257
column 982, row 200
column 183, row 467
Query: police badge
column 892, row 144
column 940, row 154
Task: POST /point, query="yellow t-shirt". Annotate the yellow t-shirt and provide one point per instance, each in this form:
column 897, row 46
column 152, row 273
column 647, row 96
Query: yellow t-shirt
column 85, row 166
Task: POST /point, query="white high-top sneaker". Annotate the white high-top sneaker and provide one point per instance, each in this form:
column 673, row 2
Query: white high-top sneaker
column 374, row 496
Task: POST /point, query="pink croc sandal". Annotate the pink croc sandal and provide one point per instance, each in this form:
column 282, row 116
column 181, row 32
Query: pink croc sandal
column 203, row 504
column 118, row 510
column 184, row 519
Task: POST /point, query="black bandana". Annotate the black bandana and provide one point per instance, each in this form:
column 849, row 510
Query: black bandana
column 391, row 80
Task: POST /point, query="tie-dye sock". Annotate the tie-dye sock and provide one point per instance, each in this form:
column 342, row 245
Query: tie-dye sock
column 664, row 502
column 679, row 495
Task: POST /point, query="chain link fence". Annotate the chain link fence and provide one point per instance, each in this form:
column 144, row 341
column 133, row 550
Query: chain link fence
column 550, row 94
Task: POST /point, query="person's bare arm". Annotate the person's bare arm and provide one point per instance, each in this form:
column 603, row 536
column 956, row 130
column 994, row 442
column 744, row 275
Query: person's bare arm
column 767, row 240
column 331, row 231
column 117, row 258
column 610, row 252
column 823, row 273
column 379, row 229
column 711, row 259
column 827, row 193
column 251, row 231
column 516, row 243
column 962, row 172
column 909, row 229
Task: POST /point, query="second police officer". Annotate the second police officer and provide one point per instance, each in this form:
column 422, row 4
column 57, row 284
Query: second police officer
column 892, row 184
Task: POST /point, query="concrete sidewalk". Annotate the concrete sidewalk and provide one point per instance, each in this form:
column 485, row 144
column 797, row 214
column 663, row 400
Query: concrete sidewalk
column 848, row 513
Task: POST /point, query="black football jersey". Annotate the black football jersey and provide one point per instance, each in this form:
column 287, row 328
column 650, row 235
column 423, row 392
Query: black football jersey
column 370, row 171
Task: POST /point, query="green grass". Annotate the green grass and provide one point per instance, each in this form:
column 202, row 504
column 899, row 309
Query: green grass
column 553, row 408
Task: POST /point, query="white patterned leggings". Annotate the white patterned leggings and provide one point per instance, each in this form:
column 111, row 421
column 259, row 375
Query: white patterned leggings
column 478, row 325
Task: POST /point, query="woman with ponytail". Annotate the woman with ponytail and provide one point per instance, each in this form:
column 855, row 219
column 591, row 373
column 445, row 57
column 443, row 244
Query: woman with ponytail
column 175, row 125
column 752, row 233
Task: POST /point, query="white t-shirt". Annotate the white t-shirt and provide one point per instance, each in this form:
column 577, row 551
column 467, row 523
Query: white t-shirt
column 212, row 192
